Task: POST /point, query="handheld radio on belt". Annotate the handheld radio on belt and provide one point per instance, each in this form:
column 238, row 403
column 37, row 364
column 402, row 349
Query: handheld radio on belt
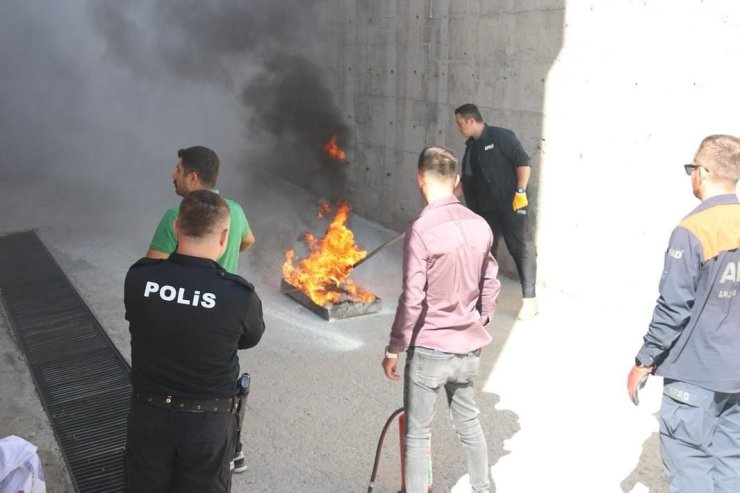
column 243, row 383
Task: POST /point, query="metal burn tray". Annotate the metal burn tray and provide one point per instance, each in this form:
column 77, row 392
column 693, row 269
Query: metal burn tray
column 345, row 309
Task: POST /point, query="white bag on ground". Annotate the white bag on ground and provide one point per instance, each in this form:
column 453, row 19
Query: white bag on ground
column 20, row 467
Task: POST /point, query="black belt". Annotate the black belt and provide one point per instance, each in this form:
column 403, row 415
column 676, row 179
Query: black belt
column 228, row 405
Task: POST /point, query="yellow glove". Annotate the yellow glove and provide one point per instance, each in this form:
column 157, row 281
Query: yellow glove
column 520, row 199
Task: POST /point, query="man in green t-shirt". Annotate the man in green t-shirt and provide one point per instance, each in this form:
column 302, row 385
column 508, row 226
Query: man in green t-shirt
column 197, row 169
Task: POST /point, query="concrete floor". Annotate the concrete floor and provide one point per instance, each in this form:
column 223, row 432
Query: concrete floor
column 554, row 403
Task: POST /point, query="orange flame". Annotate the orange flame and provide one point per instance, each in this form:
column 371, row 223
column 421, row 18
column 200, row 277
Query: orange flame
column 324, row 209
column 333, row 150
column 323, row 275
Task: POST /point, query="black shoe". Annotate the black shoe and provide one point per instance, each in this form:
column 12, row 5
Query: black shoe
column 239, row 463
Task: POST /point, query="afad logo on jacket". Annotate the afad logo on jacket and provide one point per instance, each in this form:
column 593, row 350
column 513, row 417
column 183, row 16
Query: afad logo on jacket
column 731, row 275
column 489, row 147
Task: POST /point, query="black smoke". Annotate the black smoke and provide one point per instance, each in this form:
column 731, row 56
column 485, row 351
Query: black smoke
column 78, row 123
column 271, row 55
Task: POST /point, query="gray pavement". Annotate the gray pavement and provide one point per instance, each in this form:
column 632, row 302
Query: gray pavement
column 319, row 398
column 553, row 398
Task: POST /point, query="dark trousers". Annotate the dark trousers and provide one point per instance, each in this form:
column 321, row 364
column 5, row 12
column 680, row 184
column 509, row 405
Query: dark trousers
column 178, row 451
column 512, row 227
column 700, row 438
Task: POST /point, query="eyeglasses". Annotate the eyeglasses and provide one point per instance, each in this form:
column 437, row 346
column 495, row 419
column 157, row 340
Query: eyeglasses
column 689, row 168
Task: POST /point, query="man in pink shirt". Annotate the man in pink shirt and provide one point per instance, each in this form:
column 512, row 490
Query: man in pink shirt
column 449, row 296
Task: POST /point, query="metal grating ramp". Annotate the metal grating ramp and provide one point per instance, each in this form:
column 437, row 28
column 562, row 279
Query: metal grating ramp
column 81, row 377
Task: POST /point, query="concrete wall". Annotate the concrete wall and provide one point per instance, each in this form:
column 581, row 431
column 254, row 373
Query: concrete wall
column 609, row 98
column 403, row 66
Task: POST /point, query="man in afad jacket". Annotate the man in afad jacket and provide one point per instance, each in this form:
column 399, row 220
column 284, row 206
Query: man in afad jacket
column 693, row 340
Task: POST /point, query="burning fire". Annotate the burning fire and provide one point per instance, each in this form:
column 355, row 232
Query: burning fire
column 322, row 276
column 324, row 209
column 333, row 150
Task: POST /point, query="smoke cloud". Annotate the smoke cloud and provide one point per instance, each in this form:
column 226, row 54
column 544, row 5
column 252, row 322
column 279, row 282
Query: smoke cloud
column 98, row 96
column 261, row 51
column 77, row 125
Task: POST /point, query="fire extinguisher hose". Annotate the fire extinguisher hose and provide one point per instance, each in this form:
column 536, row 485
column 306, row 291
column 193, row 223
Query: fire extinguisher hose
column 380, row 446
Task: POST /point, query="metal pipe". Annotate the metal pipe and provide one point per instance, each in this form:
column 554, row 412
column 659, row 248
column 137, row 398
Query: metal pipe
column 359, row 262
column 387, row 243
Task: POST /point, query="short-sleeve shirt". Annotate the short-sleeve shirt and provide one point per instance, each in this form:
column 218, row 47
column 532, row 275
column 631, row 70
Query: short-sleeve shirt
column 489, row 169
column 165, row 241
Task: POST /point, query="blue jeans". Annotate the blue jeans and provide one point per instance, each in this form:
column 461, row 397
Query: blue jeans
column 700, row 439
column 426, row 372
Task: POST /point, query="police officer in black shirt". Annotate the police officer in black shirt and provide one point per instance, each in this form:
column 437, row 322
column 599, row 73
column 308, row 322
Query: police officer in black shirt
column 495, row 174
column 188, row 317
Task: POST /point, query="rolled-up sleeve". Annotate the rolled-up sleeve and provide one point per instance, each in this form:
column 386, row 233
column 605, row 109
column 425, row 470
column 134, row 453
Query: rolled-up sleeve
column 513, row 151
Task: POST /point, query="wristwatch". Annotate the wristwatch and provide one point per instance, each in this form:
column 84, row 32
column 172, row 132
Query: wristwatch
column 390, row 355
column 520, row 190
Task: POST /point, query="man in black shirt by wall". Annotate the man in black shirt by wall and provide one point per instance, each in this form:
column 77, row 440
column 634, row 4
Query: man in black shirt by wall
column 495, row 175
column 188, row 317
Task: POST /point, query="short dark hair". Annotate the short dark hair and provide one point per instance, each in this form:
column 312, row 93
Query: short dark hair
column 439, row 161
column 202, row 213
column 202, row 161
column 723, row 156
column 469, row 110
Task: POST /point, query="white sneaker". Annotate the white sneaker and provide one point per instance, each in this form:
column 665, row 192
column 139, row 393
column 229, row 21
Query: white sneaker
column 239, row 463
column 529, row 309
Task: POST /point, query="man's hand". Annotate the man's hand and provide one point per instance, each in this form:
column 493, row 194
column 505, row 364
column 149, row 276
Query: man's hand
column 520, row 200
column 389, row 368
column 636, row 381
